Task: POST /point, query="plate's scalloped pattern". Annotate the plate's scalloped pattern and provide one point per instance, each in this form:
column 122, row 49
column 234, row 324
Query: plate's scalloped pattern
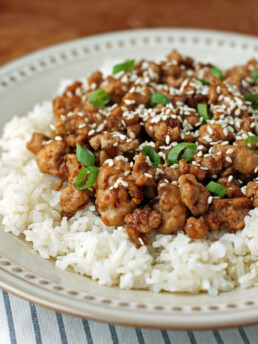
column 125, row 309
column 182, row 37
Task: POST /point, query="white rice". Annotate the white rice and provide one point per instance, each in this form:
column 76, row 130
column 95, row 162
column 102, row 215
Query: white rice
column 30, row 205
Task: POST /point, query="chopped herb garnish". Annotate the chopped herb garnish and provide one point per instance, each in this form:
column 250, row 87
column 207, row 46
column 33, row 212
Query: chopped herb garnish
column 152, row 154
column 217, row 189
column 251, row 97
column 203, row 112
column 216, row 72
column 254, row 107
column 189, row 150
column 204, row 82
column 84, row 155
column 249, row 142
column 159, row 98
column 99, row 98
column 254, row 75
column 125, row 66
column 92, row 172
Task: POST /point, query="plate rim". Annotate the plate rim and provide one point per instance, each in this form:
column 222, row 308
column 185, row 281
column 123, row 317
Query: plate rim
column 16, row 63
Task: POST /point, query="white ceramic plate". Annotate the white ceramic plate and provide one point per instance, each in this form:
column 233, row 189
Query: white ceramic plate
column 23, row 272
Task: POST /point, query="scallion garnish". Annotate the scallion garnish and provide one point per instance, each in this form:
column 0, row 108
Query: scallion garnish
column 82, row 175
column 217, row 189
column 251, row 97
column 189, row 150
column 99, row 98
column 204, row 82
column 250, row 140
column 216, row 72
column 254, row 107
column 159, row 98
column 202, row 110
column 152, row 154
column 84, row 155
column 254, row 75
column 125, row 66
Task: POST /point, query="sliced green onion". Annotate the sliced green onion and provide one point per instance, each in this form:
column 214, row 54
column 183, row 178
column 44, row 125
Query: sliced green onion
column 203, row 111
column 189, row 150
column 125, row 66
column 254, row 107
column 152, row 154
column 254, row 75
column 216, row 72
column 84, row 155
column 217, row 189
column 251, row 97
column 80, row 180
column 99, row 98
column 204, row 82
column 159, row 98
column 250, row 140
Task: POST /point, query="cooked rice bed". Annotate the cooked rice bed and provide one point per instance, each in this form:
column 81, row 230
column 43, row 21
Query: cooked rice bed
column 173, row 263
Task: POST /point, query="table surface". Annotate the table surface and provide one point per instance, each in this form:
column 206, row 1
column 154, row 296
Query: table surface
column 29, row 25
column 25, row 323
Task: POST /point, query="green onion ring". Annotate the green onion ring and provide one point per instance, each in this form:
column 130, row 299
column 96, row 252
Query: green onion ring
column 250, row 140
column 124, row 66
column 80, row 180
column 159, row 98
column 203, row 112
column 217, row 189
column 99, row 97
column 84, row 155
column 152, row 154
column 190, row 149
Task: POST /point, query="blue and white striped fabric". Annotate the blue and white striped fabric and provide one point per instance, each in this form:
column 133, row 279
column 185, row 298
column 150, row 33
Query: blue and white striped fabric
column 25, row 323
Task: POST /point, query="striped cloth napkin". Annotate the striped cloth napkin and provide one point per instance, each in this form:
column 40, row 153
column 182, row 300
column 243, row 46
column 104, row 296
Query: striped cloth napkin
column 25, row 323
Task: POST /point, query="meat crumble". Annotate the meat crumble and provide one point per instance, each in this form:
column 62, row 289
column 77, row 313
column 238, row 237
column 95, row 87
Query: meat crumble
column 169, row 146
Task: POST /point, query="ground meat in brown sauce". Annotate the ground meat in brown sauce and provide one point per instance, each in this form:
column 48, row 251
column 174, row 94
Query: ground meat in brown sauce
column 172, row 209
column 130, row 189
column 141, row 221
column 51, row 157
column 196, row 228
column 194, row 195
column 228, row 214
column 36, row 142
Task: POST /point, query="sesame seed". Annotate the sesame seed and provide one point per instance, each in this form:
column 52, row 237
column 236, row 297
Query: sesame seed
column 141, row 241
column 229, row 151
column 58, row 138
column 210, row 131
column 209, row 199
column 230, row 178
column 129, row 101
column 124, row 183
column 82, row 125
column 91, row 132
column 52, row 127
column 228, row 159
column 148, row 175
column 63, row 118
